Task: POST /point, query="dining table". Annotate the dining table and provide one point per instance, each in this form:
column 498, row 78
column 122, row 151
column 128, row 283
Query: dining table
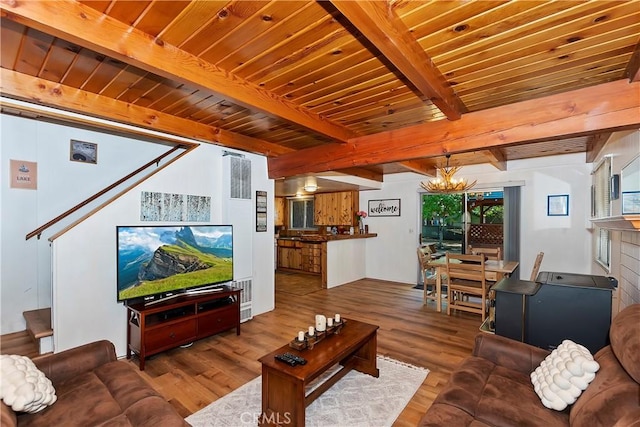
column 494, row 270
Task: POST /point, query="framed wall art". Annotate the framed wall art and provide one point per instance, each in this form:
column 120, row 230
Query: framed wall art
column 630, row 202
column 558, row 205
column 261, row 211
column 24, row 174
column 85, row 152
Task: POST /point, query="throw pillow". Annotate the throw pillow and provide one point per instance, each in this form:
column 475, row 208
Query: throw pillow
column 24, row 387
column 563, row 375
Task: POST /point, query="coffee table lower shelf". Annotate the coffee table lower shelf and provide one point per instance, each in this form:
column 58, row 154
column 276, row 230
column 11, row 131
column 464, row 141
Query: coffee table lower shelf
column 284, row 397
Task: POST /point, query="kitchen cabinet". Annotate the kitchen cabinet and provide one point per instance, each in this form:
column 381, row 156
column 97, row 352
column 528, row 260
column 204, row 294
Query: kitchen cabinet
column 297, row 255
column 336, row 208
column 290, row 254
column 312, row 257
column 279, row 211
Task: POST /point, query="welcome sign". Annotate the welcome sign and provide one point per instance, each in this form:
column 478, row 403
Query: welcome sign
column 384, row 207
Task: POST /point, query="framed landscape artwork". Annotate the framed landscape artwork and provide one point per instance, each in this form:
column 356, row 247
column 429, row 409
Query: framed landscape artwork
column 630, row 202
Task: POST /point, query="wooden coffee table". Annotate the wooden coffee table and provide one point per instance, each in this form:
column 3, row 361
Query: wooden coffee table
column 283, row 386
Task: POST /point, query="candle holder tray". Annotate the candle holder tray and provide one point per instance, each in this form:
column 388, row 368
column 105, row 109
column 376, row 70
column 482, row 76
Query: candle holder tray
column 311, row 340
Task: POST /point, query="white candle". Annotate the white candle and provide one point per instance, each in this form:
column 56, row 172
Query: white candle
column 330, row 321
column 301, row 336
column 311, row 331
column 337, row 318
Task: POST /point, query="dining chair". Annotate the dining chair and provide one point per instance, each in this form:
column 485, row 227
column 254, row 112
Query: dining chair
column 428, row 275
column 536, row 266
column 466, row 284
column 490, row 253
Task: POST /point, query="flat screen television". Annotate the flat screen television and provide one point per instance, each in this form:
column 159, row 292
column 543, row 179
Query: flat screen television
column 157, row 262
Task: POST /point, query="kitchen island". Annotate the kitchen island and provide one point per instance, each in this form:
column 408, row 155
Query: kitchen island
column 339, row 259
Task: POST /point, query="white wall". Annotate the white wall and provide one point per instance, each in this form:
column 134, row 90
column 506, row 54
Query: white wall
column 84, row 258
column 25, row 281
column 346, row 260
column 564, row 240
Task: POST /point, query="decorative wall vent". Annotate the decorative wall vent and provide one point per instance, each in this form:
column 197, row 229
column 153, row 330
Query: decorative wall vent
column 240, row 170
column 246, row 298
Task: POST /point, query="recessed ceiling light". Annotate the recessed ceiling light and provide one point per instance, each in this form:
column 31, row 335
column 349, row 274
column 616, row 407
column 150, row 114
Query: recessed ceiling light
column 310, row 184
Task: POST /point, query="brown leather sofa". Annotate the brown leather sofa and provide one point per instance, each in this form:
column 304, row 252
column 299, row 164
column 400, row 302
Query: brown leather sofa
column 94, row 388
column 493, row 387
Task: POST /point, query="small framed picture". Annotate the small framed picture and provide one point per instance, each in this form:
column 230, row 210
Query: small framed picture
column 85, row 152
column 558, row 205
column 630, row 202
column 261, row 211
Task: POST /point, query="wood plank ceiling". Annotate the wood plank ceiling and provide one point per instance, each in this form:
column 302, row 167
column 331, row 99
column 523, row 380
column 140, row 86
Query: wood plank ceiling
column 365, row 88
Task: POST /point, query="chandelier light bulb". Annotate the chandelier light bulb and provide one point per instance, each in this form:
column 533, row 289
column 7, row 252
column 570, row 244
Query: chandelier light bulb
column 446, row 183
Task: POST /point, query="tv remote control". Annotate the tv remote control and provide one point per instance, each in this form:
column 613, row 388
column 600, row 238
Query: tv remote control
column 286, row 359
column 298, row 359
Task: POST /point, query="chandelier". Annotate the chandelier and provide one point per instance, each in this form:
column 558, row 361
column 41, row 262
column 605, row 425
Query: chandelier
column 446, row 183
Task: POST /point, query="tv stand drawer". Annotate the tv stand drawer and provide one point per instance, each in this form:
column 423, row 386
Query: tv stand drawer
column 171, row 335
column 216, row 321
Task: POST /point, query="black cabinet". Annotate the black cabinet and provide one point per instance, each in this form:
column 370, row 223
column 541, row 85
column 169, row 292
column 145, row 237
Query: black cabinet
column 510, row 305
column 556, row 307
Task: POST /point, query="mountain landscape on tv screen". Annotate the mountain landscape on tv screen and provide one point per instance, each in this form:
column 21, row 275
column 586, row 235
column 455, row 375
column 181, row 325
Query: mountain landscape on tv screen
column 153, row 260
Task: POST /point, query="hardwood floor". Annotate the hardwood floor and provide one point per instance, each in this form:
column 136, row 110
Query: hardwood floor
column 191, row 378
column 297, row 283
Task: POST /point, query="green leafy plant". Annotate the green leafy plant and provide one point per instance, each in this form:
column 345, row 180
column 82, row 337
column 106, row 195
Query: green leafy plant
column 447, row 207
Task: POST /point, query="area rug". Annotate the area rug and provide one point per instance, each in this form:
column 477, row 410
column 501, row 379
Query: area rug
column 356, row 400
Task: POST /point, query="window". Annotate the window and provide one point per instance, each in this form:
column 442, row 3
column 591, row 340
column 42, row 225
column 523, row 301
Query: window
column 602, row 208
column 301, row 214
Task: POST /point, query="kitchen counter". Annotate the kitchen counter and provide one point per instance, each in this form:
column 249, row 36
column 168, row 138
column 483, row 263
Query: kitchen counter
column 337, row 258
column 329, row 237
column 351, row 236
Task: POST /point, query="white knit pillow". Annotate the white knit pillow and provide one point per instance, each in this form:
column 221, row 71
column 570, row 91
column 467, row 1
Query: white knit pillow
column 563, row 375
column 24, row 387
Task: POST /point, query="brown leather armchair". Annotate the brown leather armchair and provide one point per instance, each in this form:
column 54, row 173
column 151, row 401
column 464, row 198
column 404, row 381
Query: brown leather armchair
column 493, row 386
column 94, row 388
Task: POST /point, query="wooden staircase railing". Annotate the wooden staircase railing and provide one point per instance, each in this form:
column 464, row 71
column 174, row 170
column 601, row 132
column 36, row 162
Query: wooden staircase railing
column 38, row 231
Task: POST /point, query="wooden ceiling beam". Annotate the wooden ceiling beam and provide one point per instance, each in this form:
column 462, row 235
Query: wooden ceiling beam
column 609, row 106
column 76, row 23
column 633, row 67
column 423, row 167
column 496, row 158
column 595, row 144
column 380, row 24
column 44, row 92
column 363, row 173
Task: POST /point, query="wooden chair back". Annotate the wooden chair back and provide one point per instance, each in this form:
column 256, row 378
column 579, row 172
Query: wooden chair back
column 466, row 267
column 466, row 277
column 428, row 277
column 490, row 253
column 536, row 266
column 423, row 257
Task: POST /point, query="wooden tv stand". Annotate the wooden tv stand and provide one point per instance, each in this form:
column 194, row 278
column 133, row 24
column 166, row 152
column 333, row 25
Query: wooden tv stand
column 159, row 327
